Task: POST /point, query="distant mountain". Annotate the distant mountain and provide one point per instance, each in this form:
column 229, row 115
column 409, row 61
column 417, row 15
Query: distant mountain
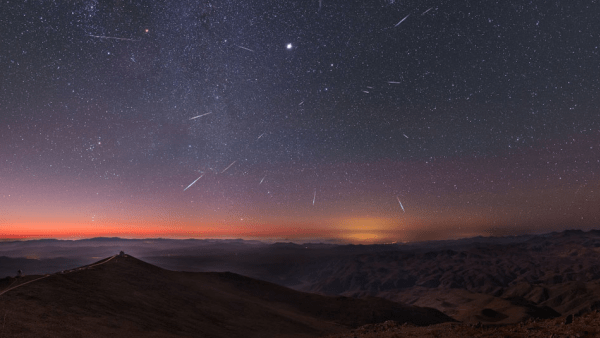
column 126, row 297
column 521, row 277
column 529, row 276
column 92, row 249
column 9, row 266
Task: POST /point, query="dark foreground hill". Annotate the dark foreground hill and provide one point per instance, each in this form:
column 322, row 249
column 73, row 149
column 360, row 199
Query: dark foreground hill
column 493, row 281
column 126, row 297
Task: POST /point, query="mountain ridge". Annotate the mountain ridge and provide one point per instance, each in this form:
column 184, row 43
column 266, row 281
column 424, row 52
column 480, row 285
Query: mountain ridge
column 125, row 296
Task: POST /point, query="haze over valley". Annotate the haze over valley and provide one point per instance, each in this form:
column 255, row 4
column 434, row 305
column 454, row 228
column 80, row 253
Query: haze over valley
column 486, row 280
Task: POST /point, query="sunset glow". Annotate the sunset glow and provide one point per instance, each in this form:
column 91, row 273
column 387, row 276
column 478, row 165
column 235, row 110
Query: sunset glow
column 290, row 123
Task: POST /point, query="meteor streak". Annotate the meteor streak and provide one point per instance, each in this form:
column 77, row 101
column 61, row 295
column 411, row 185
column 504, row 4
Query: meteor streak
column 195, row 117
column 111, row 37
column 401, row 21
column 400, row 204
column 193, row 182
column 248, row 49
column 228, row 167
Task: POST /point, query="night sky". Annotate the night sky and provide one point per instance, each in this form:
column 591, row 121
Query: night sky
column 308, row 120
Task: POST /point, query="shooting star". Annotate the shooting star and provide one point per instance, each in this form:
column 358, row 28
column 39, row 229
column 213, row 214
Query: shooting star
column 405, row 135
column 261, row 135
column 300, row 103
column 401, row 21
column 195, row 117
column 400, row 204
column 248, row 49
column 427, row 11
column 320, row 3
column 394, row 82
column 193, row 182
column 112, row 37
column 314, row 196
column 262, row 180
column 232, row 163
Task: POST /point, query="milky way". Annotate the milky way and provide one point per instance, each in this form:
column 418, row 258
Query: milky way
column 298, row 120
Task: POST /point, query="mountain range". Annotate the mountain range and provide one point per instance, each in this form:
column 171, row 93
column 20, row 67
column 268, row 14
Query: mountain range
column 487, row 281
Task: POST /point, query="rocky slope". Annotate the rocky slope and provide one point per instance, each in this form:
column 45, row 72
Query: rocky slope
column 126, row 297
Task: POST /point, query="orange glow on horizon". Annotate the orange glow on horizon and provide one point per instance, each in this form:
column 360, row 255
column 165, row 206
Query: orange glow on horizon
column 427, row 217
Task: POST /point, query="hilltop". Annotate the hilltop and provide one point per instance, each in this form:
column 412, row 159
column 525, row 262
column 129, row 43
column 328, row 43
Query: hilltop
column 124, row 296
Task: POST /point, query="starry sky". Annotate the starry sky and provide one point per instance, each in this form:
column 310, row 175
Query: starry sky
column 353, row 121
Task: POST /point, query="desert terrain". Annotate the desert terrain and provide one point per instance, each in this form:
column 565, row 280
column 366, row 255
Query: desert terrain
column 125, row 297
column 530, row 285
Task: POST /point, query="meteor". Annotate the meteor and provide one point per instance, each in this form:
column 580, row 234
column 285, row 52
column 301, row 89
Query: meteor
column 195, row 117
column 248, row 49
column 401, row 21
column 193, row 182
column 228, row 167
column 111, row 37
column 400, row 204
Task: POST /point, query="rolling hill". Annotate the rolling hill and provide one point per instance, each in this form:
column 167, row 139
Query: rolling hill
column 122, row 296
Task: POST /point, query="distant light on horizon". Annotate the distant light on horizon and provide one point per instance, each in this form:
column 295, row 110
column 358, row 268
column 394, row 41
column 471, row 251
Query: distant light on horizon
column 171, row 125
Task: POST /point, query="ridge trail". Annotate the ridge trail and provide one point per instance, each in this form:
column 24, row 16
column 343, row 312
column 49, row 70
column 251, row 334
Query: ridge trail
column 56, row 273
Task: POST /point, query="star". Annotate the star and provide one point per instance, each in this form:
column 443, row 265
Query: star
column 168, row 93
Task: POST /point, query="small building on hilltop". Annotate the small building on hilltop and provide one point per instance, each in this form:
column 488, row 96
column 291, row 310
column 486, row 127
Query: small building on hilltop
column 20, row 273
column 121, row 254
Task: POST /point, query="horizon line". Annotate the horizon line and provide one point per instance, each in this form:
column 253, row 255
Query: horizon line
column 333, row 241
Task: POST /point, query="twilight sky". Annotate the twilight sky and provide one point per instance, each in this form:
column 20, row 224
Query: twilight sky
column 357, row 121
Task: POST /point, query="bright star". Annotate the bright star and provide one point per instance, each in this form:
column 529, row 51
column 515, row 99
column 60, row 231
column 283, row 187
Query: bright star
column 289, row 46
